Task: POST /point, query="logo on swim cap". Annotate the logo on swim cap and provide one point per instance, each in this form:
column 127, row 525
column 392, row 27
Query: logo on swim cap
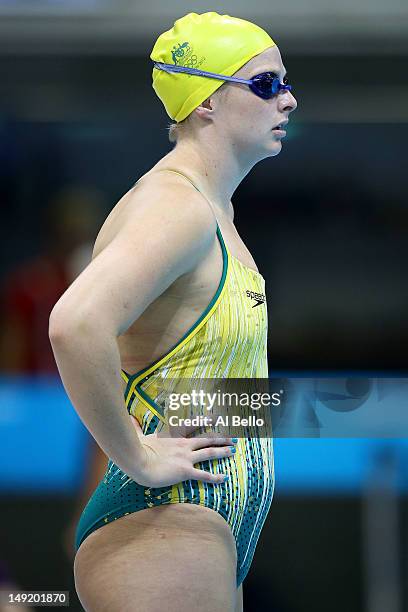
column 179, row 52
column 183, row 55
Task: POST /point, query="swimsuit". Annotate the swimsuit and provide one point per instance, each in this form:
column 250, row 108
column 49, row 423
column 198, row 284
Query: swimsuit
column 229, row 340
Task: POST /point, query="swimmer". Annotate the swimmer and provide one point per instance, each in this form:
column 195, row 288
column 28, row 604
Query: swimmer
column 174, row 522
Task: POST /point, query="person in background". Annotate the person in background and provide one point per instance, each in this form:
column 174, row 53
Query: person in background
column 30, row 289
column 27, row 295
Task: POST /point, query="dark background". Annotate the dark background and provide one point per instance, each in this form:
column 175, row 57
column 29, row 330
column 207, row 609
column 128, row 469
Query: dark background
column 326, row 221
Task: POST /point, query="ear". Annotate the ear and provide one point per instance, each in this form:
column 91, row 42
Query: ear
column 206, row 109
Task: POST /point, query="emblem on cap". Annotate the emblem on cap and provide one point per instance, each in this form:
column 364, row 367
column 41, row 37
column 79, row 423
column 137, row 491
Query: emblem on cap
column 179, row 52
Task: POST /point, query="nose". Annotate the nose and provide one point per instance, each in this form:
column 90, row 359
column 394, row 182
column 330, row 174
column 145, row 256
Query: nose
column 287, row 101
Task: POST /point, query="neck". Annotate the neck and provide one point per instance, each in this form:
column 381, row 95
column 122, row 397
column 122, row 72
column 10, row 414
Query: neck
column 213, row 166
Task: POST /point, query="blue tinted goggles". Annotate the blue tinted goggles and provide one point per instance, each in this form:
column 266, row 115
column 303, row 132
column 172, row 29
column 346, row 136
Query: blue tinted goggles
column 265, row 85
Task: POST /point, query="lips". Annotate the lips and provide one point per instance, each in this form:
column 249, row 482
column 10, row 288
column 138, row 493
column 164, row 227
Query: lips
column 281, row 126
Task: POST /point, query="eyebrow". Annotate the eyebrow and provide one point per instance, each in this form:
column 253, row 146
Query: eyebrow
column 275, row 70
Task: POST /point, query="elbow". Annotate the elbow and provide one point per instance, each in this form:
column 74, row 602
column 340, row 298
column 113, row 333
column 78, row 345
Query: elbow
column 58, row 324
column 65, row 326
column 62, row 326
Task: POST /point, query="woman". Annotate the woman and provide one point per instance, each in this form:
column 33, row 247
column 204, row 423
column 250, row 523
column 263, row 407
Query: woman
column 167, row 295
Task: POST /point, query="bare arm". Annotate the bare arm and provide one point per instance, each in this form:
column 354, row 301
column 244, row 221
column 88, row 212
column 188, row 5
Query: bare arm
column 160, row 239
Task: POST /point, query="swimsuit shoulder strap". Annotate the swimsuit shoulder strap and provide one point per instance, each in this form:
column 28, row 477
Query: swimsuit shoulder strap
column 194, row 185
column 221, row 239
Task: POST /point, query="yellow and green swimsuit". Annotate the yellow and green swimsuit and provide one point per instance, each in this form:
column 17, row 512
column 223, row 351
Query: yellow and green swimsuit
column 229, row 340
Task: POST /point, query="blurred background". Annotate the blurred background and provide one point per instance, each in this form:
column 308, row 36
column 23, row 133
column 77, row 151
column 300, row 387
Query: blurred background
column 326, row 221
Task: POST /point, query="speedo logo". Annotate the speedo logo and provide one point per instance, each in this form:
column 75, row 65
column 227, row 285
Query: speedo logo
column 183, row 55
column 258, row 297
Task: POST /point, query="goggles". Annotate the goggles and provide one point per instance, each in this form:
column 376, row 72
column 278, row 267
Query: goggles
column 265, row 85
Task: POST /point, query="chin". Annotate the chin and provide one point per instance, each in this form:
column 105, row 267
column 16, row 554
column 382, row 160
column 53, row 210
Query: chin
column 275, row 149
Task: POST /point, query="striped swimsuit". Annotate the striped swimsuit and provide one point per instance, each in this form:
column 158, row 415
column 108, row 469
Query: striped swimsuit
column 229, row 340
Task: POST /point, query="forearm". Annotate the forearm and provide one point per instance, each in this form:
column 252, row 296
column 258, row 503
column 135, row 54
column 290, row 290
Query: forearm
column 88, row 361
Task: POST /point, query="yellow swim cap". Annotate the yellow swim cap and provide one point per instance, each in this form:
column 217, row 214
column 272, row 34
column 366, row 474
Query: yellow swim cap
column 210, row 42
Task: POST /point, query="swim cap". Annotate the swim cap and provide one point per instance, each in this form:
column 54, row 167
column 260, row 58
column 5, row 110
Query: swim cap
column 211, row 42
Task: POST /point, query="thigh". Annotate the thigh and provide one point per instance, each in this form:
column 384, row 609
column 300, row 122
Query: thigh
column 179, row 556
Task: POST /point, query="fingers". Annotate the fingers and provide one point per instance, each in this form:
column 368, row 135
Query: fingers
column 208, row 477
column 203, row 442
column 208, row 453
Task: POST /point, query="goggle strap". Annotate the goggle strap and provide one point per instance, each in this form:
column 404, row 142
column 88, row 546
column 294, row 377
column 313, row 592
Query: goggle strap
column 196, row 71
column 213, row 75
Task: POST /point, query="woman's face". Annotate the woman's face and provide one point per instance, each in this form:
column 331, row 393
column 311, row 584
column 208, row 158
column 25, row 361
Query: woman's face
column 247, row 120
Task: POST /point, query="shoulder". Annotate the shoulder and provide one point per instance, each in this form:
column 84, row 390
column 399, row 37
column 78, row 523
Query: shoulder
column 170, row 194
column 163, row 207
